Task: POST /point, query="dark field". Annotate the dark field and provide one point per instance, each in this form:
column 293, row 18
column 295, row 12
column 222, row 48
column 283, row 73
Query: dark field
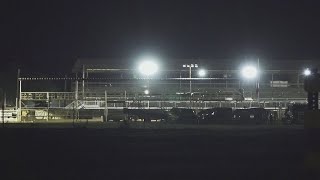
column 222, row 152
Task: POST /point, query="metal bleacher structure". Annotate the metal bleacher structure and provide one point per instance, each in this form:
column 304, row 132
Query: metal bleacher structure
column 106, row 84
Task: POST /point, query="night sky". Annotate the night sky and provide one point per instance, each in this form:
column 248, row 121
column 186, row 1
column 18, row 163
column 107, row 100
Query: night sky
column 48, row 36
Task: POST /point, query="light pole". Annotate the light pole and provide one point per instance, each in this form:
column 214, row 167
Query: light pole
column 258, row 83
column 190, row 66
column 148, row 67
column 250, row 72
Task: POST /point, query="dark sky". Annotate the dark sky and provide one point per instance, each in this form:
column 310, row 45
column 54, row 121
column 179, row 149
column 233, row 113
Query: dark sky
column 49, row 36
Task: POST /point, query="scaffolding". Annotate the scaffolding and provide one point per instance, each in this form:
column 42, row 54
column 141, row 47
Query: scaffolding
column 98, row 93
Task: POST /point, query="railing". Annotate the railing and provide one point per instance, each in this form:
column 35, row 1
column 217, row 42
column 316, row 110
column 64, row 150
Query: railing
column 47, row 95
column 267, row 103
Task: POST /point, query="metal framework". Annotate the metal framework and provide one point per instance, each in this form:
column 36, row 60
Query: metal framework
column 107, row 90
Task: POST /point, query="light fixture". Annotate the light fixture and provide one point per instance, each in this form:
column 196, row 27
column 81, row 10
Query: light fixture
column 202, row 72
column 148, row 67
column 249, row 72
column 307, row 72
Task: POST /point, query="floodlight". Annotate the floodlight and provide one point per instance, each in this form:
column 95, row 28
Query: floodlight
column 146, row 91
column 184, row 66
column 307, row 72
column 249, row 72
column 196, row 65
column 202, row 72
column 148, row 67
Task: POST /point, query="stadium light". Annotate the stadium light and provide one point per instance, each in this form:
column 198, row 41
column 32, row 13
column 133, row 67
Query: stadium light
column 307, row 72
column 146, row 92
column 202, row 72
column 190, row 66
column 249, row 72
column 148, row 67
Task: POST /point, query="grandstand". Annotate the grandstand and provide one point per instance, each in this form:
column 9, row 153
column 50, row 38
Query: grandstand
column 99, row 88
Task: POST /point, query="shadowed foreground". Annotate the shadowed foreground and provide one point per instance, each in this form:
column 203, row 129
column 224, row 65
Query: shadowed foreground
column 221, row 152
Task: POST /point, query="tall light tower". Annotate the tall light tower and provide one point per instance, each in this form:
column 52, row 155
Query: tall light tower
column 148, row 67
column 251, row 72
column 190, row 66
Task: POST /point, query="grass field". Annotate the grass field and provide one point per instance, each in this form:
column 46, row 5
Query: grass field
column 176, row 152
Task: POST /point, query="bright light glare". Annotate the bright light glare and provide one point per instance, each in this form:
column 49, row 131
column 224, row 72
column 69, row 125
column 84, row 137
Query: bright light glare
column 249, row 72
column 202, row 72
column 148, row 68
column 146, row 91
column 307, row 72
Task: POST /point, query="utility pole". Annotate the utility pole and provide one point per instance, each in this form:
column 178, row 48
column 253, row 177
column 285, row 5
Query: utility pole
column 3, row 107
column 17, row 93
column 20, row 100
column 190, row 66
column 258, row 83
column 106, row 105
column 83, row 76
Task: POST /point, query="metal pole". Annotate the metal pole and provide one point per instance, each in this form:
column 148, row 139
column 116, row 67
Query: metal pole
column 65, row 90
column 73, row 115
column 83, row 76
column 65, row 83
column 180, row 83
column 106, row 105
column 17, row 94
column 272, row 85
column 76, row 91
column 190, row 79
column 48, row 99
column 125, row 98
column 258, row 83
column 76, row 101
column 3, row 108
column 20, row 111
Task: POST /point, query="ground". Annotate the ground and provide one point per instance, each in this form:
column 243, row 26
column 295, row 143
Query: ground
column 213, row 152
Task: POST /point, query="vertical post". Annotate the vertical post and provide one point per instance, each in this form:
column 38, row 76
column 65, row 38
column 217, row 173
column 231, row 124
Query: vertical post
column 180, row 83
column 272, row 86
column 73, row 115
column 65, row 90
column 3, row 108
column 48, row 100
column 258, row 83
column 65, row 83
column 190, row 79
column 19, row 110
column 76, row 90
column 76, row 100
column 83, row 76
column 17, row 94
column 106, row 105
column 125, row 99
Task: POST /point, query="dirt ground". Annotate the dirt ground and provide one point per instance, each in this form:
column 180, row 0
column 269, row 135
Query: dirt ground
column 222, row 152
